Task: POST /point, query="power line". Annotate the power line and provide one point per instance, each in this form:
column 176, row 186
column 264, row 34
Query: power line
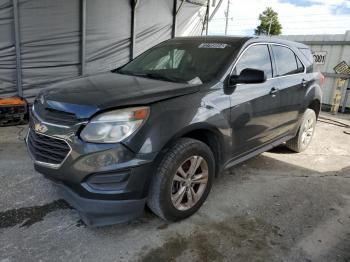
column 288, row 20
column 321, row 23
column 280, row 17
column 301, row 31
column 288, row 25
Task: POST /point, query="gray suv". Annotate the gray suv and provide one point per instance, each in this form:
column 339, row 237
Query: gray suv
column 158, row 130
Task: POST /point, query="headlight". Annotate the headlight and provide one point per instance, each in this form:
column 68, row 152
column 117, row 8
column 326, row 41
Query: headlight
column 114, row 126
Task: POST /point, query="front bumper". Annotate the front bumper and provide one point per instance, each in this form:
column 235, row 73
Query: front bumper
column 98, row 212
column 106, row 183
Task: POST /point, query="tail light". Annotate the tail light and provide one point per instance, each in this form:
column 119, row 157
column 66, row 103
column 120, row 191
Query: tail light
column 322, row 79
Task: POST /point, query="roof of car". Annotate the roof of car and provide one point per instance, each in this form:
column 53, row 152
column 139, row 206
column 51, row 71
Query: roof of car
column 227, row 39
column 268, row 39
column 242, row 39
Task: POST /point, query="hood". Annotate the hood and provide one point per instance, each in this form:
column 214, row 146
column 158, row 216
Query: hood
column 88, row 95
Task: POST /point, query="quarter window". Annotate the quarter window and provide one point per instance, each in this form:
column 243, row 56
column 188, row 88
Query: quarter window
column 300, row 65
column 307, row 53
column 256, row 57
column 286, row 61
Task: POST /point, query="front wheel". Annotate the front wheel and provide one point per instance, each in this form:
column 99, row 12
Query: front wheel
column 183, row 180
column 305, row 133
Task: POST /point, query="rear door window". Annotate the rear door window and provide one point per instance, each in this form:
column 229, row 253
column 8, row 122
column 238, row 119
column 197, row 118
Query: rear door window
column 286, row 61
column 256, row 57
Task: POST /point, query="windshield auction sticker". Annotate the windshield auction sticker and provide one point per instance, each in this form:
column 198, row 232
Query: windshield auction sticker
column 213, row 45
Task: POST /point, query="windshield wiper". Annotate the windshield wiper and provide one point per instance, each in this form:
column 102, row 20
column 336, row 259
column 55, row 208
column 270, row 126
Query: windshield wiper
column 152, row 75
column 162, row 77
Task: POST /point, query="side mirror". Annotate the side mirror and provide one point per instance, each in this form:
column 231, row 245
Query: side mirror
column 248, row 76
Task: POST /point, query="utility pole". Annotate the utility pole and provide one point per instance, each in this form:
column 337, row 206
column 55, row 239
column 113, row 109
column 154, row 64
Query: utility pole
column 227, row 14
column 270, row 27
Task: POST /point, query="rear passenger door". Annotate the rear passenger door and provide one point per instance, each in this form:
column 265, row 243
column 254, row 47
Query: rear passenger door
column 292, row 86
column 254, row 107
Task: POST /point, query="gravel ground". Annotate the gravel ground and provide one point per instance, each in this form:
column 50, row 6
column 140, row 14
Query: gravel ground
column 278, row 206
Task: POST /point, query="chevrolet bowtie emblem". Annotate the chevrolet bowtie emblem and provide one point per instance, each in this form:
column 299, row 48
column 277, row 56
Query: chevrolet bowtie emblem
column 42, row 99
column 40, row 128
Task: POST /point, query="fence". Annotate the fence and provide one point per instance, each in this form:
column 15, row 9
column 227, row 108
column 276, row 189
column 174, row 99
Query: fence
column 329, row 51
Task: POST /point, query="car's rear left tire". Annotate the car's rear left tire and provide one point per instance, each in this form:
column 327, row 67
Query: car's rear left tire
column 305, row 133
column 183, row 180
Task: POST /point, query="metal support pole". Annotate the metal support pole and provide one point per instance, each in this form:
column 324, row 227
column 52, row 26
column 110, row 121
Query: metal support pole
column 18, row 48
column 83, row 37
column 346, row 95
column 215, row 10
column 133, row 25
column 207, row 18
column 178, row 10
column 270, row 27
column 227, row 15
column 173, row 28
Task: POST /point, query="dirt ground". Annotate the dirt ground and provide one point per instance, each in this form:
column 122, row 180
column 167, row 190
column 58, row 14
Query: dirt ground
column 278, row 206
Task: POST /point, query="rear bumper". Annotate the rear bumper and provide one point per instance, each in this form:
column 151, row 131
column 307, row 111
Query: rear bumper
column 97, row 212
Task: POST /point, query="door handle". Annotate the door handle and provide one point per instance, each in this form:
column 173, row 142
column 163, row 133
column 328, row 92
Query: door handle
column 304, row 82
column 274, row 91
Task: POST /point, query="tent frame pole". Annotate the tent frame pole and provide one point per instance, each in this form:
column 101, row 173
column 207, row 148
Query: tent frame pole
column 83, row 38
column 133, row 29
column 175, row 11
column 207, row 18
column 18, row 48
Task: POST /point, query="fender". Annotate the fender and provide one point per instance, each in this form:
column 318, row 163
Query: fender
column 313, row 92
column 218, row 141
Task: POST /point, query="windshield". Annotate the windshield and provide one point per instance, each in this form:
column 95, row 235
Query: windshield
column 186, row 61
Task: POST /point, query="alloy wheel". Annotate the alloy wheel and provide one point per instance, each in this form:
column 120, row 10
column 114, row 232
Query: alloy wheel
column 308, row 131
column 189, row 182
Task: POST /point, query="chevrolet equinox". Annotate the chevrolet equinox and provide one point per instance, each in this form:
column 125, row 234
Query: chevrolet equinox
column 159, row 129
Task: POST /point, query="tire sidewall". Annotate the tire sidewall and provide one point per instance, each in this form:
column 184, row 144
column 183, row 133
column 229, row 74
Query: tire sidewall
column 196, row 148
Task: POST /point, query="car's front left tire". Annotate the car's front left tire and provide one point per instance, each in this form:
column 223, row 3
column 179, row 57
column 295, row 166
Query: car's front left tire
column 183, row 180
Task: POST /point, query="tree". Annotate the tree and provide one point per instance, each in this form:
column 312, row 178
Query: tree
column 269, row 24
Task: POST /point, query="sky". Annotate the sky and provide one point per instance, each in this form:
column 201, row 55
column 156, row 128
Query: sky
column 298, row 17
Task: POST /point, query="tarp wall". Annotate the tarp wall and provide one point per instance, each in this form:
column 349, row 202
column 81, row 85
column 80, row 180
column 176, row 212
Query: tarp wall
column 51, row 34
column 108, row 27
column 7, row 49
column 50, row 42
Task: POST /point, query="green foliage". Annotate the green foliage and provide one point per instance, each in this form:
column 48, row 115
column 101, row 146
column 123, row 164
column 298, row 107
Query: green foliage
column 267, row 17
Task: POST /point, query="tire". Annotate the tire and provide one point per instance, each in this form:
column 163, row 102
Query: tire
column 166, row 187
column 305, row 133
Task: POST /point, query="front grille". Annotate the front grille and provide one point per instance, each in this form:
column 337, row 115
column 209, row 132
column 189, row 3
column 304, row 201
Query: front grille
column 47, row 149
column 55, row 116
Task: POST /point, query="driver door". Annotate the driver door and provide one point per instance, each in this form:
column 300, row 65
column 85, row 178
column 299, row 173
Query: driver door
column 254, row 107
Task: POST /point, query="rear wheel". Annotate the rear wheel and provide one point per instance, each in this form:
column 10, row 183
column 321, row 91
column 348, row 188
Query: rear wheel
column 305, row 133
column 183, row 180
